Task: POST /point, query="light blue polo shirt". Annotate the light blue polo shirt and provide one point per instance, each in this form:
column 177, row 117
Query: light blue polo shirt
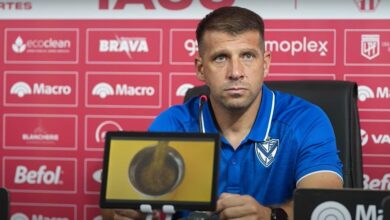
column 290, row 139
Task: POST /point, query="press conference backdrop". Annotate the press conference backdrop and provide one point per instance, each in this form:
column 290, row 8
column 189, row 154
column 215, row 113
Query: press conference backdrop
column 72, row 70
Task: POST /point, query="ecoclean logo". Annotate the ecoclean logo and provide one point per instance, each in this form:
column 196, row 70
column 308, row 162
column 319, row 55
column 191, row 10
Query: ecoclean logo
column 366, row 92
column 290, row 46
column 140, row 46
column 41, row 45
column 18, row 46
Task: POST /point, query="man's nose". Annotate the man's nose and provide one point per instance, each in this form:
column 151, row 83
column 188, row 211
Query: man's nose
column 236, row 70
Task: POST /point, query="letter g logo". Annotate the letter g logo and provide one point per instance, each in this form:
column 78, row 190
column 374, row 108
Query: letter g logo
column 330, row 210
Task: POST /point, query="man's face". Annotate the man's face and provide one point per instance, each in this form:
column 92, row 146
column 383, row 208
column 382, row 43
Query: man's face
column 234, row 67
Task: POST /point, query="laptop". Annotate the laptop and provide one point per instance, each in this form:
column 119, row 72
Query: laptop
column 160, row 168
column 341, row 204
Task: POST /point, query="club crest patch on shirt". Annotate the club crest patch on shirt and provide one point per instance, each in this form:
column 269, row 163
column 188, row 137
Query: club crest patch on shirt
column 266, row 151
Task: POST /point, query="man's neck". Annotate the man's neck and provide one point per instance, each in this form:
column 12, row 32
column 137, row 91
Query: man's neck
column 236, row 125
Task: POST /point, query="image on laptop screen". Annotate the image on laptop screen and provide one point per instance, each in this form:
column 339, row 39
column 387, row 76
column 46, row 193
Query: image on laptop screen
column 155, row 168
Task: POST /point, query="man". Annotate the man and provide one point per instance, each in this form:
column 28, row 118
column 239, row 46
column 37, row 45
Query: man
column 272, row 143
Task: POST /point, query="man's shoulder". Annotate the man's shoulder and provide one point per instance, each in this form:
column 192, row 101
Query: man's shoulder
column 294, row 110
column 175, row 117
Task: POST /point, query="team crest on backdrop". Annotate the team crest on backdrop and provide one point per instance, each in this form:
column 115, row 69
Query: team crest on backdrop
column 266, row 151
column 370, row 46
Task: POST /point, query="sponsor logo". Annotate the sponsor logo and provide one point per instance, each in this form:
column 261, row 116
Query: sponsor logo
column 101, row 130
column 369, row 47
column 48, row 45
column 331, row 209
column 302, row 45
column 92, row 176
column 191, row 46
column 365, row 92
column 179, row 83
column 125, row 46
column 41, row 45
column 376, row 138
column 336, row 210
column 266, row 151
column 182, row 90
column 55, row 89
column 97, row 127
column 19, row 46
column 367, row 5
column 19, row 216
column 183, row 47
column 36, row 211
column 104, row 89
column 124, row 90
column 97, row 175
column 22, row 88
column 298, row 46
column 374, row 47
column 42, row 132
column 364, row 136
column 382, row 183
column 40, row 175
column 40, row 135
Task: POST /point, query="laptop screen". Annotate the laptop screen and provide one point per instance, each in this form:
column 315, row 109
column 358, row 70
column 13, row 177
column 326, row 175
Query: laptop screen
column 340, row 204
column 157, row 169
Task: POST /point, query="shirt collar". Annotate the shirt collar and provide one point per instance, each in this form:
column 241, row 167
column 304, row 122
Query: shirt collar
column 262, row 123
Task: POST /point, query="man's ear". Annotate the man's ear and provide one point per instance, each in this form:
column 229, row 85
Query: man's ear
column 267, row 62
column 199, row 68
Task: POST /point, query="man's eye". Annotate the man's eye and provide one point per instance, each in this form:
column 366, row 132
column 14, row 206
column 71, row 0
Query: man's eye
column 220, row 58
column 248, row 56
